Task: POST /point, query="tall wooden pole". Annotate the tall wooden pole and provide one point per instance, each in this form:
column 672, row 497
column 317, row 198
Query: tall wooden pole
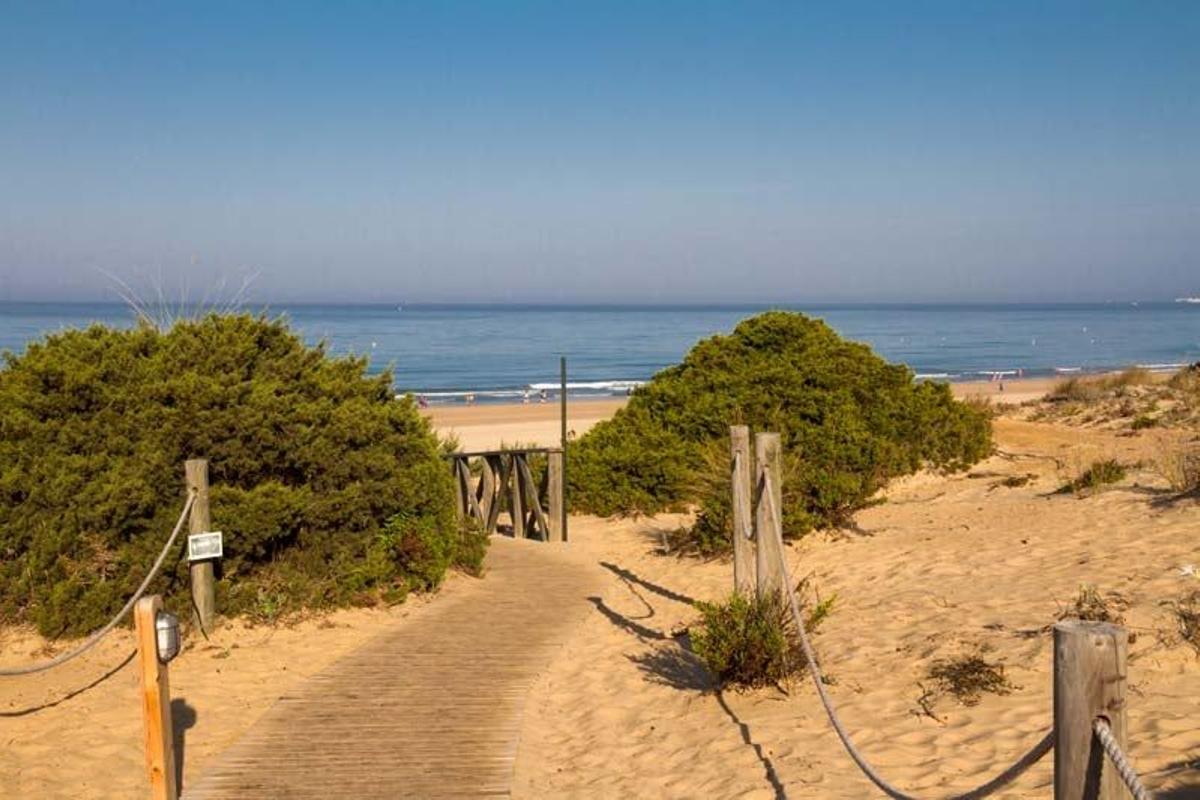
column 768, row 527
column 554, row 491
column 743, row 523
column 562, row 374
column 204, row 601
column 1089, row 682
column 156, row 702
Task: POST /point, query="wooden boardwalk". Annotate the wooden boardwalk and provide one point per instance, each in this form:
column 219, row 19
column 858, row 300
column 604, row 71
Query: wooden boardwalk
column 431, row 709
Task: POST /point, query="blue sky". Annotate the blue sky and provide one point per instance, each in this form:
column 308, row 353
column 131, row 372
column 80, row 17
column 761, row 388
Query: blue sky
column 595, row 152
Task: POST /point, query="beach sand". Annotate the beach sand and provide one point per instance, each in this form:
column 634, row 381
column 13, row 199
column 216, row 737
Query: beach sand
column 947, row 564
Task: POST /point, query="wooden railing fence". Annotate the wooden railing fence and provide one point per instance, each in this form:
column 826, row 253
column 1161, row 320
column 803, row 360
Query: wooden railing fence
column 506, row 482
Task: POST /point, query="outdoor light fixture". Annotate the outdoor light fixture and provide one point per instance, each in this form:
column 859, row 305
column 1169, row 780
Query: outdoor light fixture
column 166, row 629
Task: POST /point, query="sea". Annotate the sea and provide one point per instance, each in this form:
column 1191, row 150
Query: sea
column 493, row 353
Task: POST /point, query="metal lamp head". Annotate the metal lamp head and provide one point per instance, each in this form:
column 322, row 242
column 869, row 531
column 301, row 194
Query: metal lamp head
column 166, row 629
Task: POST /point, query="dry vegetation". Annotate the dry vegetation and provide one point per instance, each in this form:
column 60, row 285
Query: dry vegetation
column 966, row 678
column 1132, row 400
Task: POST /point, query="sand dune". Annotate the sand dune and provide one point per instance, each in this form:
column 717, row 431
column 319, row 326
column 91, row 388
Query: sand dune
column 948, row 564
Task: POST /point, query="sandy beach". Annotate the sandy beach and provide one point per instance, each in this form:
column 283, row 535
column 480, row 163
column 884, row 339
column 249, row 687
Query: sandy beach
column 947, row 564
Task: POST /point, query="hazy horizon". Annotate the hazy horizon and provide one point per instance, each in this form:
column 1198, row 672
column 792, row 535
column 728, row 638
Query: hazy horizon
column 672, row 154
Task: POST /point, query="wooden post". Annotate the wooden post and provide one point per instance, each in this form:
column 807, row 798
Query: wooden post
column 768, row 530
column 204, row 601
column 516, row 497
column 1089, row 682
column 460, row 501
column 562, row 375
column 554, row 488
column 487, row 490
column 743, row 524
column 498, row 466
column 156, row 702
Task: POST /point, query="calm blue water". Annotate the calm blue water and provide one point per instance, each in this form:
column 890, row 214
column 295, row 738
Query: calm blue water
column 498, row 351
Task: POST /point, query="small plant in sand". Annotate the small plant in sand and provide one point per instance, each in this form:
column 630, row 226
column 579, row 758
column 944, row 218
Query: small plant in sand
column 1186, row 612
column 967, row 678
column 750, row 641
column 1097, row 476
column 1180, row 467
column 1092, row 606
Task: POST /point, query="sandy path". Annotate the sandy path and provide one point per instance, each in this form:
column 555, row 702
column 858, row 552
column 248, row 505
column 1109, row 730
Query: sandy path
column 486, row 427
column 948, row 564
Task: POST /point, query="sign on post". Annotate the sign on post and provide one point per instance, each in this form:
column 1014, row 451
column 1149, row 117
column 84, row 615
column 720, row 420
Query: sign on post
column 204, row 546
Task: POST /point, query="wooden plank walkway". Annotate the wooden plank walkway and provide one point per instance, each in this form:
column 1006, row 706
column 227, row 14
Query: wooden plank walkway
column 431, row 709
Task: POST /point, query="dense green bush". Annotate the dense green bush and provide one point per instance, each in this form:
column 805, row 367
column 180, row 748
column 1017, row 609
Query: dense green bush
column 750, row 640
column 849, row 422
column 328, row 490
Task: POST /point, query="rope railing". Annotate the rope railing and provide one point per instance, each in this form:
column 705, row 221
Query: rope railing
column 1120, row 761
column 95, row 638
column 1044, row 746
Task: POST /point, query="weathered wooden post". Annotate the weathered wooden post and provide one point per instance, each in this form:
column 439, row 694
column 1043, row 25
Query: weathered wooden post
column 743, row 523
column 500, row 468
column 768, row 526
column 516, row 497
column 487, row 489
column 562, row 374
column 554, row 488
column 156, row 702
column 1089, row 683
column 460, row 499
column 204, row 601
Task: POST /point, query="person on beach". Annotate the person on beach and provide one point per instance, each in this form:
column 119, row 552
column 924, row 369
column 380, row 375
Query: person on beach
column 470, row 398
column 525, row 397
column 542, row 396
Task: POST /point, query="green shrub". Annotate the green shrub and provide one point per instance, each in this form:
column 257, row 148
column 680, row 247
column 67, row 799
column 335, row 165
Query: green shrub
column 1096, row 477
column 309, row 459
column 849, row 421
column 1143, row 421
column 750, row 640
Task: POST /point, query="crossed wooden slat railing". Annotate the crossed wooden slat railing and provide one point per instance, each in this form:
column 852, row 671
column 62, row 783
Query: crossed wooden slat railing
column 505, row 477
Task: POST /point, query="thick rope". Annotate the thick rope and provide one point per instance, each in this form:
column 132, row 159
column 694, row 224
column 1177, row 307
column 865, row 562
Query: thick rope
column 1115, row 754
column 95, row 638
column 1004, row 778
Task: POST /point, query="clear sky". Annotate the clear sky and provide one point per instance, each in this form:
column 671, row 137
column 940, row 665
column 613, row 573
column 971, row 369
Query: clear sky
column 573, row 151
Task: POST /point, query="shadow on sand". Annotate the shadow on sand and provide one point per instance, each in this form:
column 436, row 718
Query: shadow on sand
column 676, row 666
column 21, row 712
column 183, row 717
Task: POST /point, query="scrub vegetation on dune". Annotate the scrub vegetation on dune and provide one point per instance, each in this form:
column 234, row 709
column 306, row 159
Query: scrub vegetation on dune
column 849, row 422
column 328, row 490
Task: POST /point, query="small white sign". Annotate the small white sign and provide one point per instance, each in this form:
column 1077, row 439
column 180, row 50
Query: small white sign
column 203, row 546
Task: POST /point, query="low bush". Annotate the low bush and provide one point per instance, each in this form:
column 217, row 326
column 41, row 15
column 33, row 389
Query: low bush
column 1090, row 605
column 750, row 641
column 1180, row 467
column 329, row 490
column 849, row 421
column 1097, row 476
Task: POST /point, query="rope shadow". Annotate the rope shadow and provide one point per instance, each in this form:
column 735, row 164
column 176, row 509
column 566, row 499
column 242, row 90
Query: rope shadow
column 74, row 693
column 625, row 623
column 661, row 591
column 768, row 768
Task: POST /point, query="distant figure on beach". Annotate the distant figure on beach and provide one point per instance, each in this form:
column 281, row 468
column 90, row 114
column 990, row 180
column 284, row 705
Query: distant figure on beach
column 542, row 396
column 470, row 398
column 525, row 397
column 422, row 401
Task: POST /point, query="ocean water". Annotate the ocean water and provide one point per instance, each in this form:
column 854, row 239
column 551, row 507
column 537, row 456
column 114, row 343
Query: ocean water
column 499, row 352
